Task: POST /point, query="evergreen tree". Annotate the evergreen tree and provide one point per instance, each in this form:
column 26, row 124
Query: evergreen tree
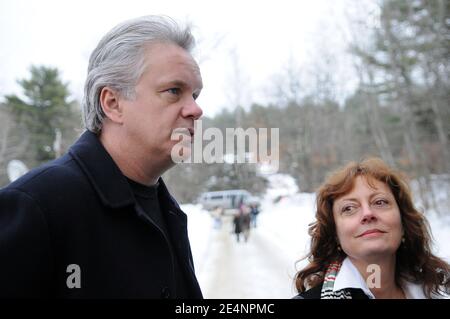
column 45, row 113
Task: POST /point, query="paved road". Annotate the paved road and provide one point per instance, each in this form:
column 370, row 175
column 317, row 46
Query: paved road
column 255, row 269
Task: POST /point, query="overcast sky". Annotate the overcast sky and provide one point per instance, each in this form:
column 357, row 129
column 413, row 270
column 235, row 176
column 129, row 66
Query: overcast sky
column 259, row 36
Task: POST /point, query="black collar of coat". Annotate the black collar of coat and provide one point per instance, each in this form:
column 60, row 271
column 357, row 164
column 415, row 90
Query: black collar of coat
column 106, row 177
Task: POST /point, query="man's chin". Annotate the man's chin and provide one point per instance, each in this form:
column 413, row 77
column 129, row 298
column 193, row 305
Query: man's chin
column 181, row 155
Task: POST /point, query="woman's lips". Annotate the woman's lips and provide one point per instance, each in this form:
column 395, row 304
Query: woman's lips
column 371, row 232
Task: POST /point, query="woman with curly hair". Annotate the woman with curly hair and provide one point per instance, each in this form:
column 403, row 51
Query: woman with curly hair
column 369, row 241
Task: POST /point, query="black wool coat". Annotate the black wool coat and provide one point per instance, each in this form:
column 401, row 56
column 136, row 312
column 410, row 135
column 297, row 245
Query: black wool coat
column 73, row 229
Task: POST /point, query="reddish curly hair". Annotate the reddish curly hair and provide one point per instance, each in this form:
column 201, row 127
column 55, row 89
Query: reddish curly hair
column 415, row 261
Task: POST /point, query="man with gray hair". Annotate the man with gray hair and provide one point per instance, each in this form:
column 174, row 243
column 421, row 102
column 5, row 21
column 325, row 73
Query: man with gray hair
column 99, row 221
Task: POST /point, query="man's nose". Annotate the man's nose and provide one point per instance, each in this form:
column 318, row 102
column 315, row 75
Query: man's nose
column 192, row 109
column 367, row 214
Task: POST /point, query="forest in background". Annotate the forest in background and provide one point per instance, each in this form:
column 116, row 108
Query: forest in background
column 399, row 110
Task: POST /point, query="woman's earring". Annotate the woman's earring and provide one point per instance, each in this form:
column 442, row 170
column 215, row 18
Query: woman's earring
column 339, row 247
column 403, row 239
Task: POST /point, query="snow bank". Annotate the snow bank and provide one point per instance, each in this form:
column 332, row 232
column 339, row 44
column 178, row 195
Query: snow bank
column 200, row 226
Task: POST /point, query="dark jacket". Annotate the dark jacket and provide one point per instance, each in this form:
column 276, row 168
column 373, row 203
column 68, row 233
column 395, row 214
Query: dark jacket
column 314, row 293
column 80, row 209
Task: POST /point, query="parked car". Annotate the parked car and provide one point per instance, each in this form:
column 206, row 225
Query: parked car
column 227, row 199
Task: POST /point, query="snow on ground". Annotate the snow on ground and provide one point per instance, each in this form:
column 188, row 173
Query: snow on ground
column 265, row 266
column 440, row 230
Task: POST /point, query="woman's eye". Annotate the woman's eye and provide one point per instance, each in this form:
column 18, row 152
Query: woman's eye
column 347, row 209
column 381, row 202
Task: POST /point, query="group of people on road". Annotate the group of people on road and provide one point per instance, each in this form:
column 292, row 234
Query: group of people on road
column 241, row 222
column 243, row 219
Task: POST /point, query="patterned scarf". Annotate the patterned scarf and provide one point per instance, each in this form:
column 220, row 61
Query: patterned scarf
column 328, row 284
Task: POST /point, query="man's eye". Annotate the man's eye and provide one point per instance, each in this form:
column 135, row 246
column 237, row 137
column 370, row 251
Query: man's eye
column 195, row 95
column 175, row 91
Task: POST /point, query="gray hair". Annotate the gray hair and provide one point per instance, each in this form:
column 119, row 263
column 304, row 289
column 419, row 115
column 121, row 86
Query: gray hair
column 118, row 61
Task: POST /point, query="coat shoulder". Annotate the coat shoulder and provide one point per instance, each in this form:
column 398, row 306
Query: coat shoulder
column 59, row 169
column 58, row 176
column 313, row 293
column 57, row 188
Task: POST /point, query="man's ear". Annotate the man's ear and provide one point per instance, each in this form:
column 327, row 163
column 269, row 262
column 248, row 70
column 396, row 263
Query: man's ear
column 109, row 101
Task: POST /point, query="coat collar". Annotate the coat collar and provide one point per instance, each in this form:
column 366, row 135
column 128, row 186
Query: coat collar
column 349, row 277
column 106, row 177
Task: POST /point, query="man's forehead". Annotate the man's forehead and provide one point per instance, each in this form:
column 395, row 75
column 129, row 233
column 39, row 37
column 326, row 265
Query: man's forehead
column 195, row 84
column 174, row 63
column 170, row 52
column 182, row 75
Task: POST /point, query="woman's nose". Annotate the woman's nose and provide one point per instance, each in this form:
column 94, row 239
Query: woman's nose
column 367, row 214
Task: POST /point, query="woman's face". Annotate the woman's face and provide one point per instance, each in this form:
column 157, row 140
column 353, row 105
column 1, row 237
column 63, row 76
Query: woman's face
column 368, row 222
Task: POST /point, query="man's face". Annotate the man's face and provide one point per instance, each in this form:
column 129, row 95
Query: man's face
column 164, row 100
